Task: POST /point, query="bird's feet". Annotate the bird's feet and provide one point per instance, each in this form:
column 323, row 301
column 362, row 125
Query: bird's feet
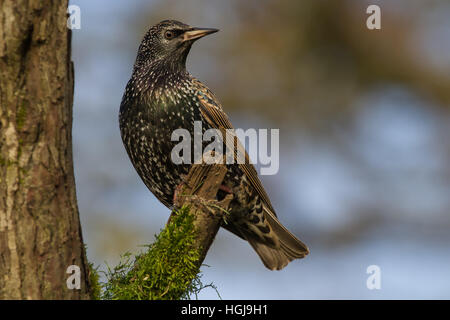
column 176, row 193
column 225, row 188
column 223, row 192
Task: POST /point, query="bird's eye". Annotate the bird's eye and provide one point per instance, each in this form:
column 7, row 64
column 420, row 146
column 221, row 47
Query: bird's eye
column 169, row 35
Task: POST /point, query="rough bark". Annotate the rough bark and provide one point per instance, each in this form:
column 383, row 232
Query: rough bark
column 199, row 193
column 40, row 234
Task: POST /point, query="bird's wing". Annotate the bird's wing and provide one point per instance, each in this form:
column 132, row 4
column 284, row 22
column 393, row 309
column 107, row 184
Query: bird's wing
column 290, row 247
column 212, row 111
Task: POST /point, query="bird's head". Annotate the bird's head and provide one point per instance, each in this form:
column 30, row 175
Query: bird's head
column 169, row 42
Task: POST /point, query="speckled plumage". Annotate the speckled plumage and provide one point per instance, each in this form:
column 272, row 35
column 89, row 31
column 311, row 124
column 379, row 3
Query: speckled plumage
column 162, row 96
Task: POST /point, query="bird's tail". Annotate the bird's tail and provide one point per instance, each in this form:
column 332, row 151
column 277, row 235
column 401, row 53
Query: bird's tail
column 289, row 248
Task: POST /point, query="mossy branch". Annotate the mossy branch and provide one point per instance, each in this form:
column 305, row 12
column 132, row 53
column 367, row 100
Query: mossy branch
column 170, row 268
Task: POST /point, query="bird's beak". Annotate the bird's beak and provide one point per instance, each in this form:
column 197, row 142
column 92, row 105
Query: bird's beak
column 197, row 33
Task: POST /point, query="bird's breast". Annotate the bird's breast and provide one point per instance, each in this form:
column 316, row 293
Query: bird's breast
column 147, row 135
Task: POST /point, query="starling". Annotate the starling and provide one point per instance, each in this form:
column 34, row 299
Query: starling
column 162, row 96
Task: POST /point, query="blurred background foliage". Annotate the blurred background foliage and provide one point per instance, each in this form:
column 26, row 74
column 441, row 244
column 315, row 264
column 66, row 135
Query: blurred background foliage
column 364, row 119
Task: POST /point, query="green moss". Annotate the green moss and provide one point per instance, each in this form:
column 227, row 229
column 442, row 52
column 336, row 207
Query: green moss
column 10, row 163
column 94, row 279
column 7, row 162
column 167, row 270
column 21, row 115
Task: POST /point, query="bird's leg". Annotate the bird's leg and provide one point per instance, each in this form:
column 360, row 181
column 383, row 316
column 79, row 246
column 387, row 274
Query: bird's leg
column 225, row 188
column 179, row 188
column 223, row 191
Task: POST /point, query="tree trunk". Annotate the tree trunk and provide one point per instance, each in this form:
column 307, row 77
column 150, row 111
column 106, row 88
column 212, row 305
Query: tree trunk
column 40, row 234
